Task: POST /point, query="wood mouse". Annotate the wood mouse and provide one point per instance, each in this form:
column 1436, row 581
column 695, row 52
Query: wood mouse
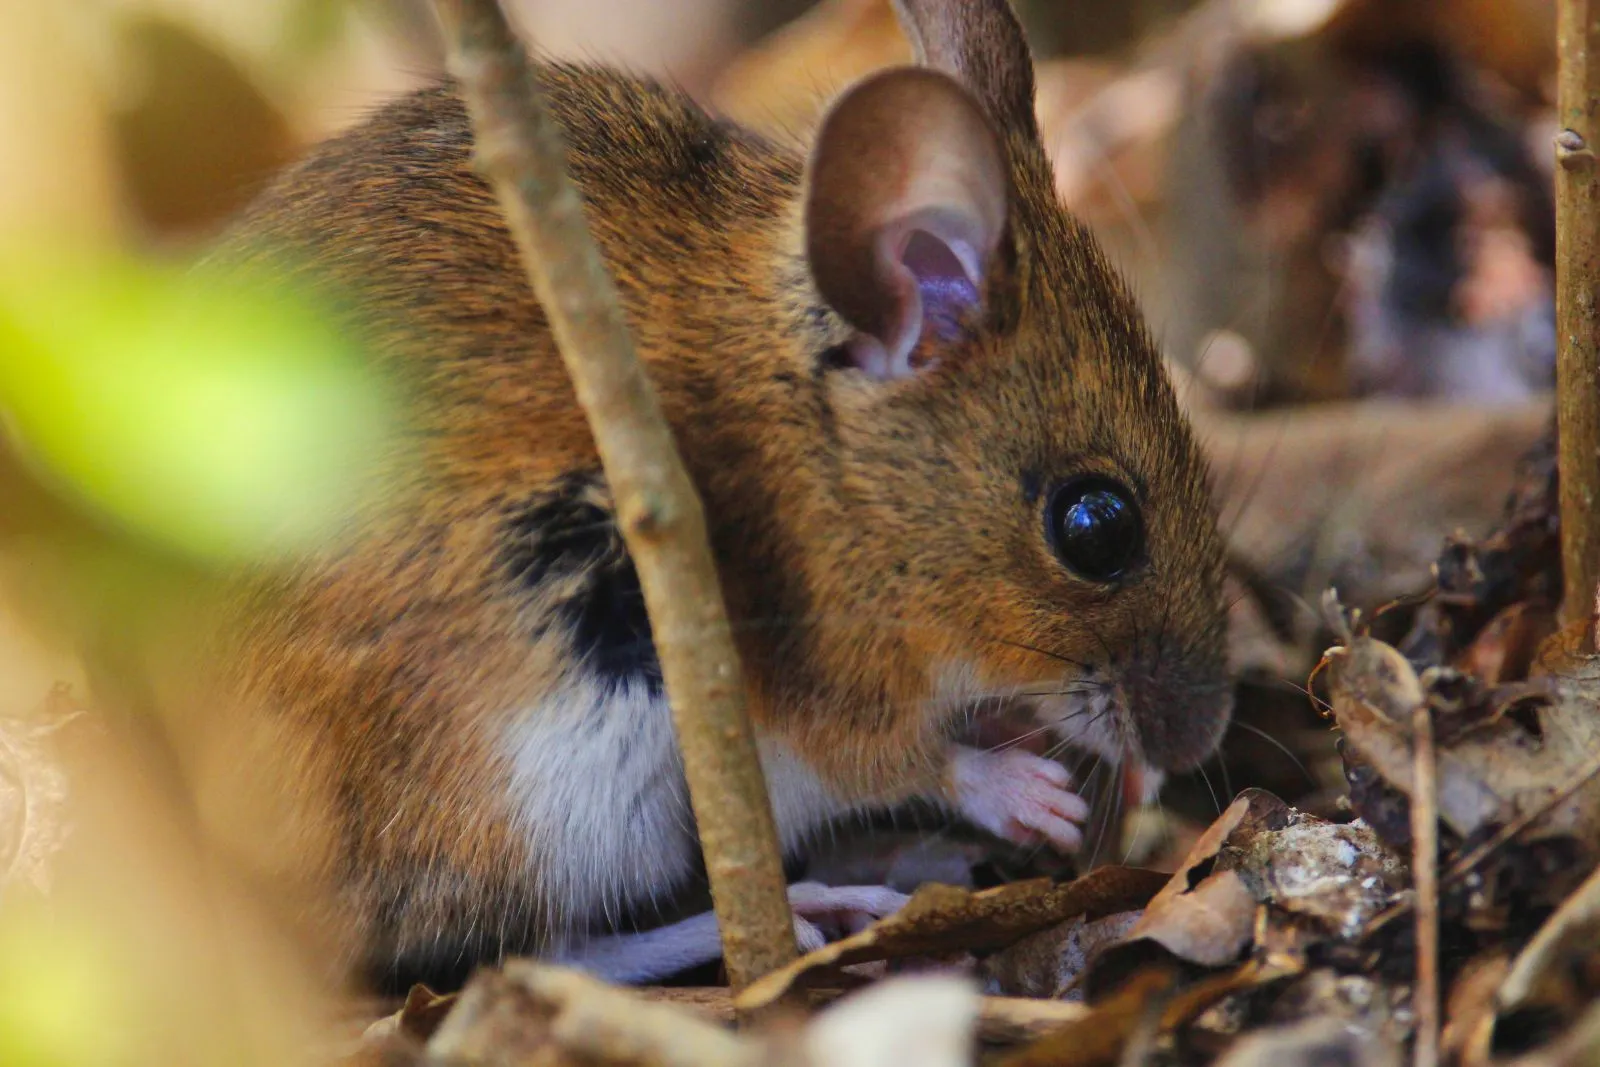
column 942, row 466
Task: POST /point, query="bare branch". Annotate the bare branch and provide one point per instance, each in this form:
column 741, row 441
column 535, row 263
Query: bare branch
column 1577, row 318
column 1425, row 884
column 521, row 150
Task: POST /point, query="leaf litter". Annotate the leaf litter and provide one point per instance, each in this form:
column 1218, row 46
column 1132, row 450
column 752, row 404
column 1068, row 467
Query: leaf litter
column 1283, row 936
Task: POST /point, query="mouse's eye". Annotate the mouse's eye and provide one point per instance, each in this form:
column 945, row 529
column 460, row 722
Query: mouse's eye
column 1095, row 527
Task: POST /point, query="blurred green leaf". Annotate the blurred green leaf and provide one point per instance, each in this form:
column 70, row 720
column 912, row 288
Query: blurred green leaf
column 311, row 27
column 224, row 417
column 56, row 979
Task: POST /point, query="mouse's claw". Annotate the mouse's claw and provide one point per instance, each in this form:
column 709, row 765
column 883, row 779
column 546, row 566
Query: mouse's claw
column 838, row 911
column 1018, row 796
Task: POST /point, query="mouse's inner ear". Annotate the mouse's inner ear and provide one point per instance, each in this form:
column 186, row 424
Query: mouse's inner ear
column 906, row 202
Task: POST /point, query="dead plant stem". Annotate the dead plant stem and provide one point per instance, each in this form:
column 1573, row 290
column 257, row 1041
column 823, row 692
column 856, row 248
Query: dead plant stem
column 521, row 151
column 1425, row 884
column 1577, row 188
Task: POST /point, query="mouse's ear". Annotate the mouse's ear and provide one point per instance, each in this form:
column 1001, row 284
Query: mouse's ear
column 906, row 202
column 979, row 43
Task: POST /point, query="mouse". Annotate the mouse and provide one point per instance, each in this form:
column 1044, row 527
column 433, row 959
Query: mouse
column 943, row 468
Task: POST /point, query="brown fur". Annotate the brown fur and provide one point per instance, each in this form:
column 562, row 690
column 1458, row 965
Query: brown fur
column 868, row 532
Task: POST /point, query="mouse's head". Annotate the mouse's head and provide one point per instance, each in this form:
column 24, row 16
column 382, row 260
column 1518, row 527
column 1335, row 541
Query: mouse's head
column 1022, row 492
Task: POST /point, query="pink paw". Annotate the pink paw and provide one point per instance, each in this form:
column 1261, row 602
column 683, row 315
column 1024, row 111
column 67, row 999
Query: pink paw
column 1018, row 796
column 824, row 912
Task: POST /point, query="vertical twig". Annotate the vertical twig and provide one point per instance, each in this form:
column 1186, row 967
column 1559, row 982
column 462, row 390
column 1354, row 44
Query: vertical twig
column 521, row 150
column 1425, row 884
column 1577, row 320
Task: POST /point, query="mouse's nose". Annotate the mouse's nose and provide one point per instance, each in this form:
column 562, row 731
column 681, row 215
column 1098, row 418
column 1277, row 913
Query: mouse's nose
column 1180, row 707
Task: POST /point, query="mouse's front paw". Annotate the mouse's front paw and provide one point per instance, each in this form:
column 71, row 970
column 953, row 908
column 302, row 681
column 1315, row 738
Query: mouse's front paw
column 1018, row 796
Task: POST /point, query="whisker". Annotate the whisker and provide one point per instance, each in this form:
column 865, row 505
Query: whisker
column 1041, row 651
column 1015, row 741
column 1105, row 824
column 1322, row 705
column 1081, row 690
column 1280, row 746
column 1206, row 778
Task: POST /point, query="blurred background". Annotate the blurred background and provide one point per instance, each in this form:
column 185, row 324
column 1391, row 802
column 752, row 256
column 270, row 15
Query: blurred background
column 1337, row 213
column 1315, row 197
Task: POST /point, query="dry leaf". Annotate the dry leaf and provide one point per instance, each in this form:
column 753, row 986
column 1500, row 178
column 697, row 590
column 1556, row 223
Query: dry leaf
column 1510, row 766
column 1204, row 914
column 942, row 919
column 1504, row 650
column 1048, row 963
column 1209, row 924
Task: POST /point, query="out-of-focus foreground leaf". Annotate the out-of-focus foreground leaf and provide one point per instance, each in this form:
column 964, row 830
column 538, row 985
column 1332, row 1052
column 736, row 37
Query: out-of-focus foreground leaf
column 224, row 418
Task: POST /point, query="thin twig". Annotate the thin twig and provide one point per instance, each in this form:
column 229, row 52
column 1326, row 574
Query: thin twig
column 1577, row 317
column 1425, row 883
column 521, row 151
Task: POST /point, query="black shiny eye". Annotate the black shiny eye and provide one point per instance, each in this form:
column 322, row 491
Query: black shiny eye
column 1095, row 527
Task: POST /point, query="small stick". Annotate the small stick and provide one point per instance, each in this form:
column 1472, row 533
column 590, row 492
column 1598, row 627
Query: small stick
column 1577, row 190
column 1425, row 884
column 521, row 151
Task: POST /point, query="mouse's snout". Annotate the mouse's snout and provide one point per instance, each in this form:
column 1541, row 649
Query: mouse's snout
column 1180, row 702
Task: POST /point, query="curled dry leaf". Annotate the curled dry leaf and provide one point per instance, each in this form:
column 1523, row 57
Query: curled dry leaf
column 1209, row 923
column 942, row 919
column 1374, row 692
column 1049, row 963
column 1205, row 914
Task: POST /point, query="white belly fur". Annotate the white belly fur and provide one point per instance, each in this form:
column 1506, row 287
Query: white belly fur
column 597, row 787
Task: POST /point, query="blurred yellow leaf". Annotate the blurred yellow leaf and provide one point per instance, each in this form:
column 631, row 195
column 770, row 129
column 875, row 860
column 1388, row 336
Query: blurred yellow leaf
column 58, row 987
column 222, row 417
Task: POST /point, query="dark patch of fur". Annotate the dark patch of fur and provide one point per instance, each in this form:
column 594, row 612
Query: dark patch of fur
column 569, row 533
